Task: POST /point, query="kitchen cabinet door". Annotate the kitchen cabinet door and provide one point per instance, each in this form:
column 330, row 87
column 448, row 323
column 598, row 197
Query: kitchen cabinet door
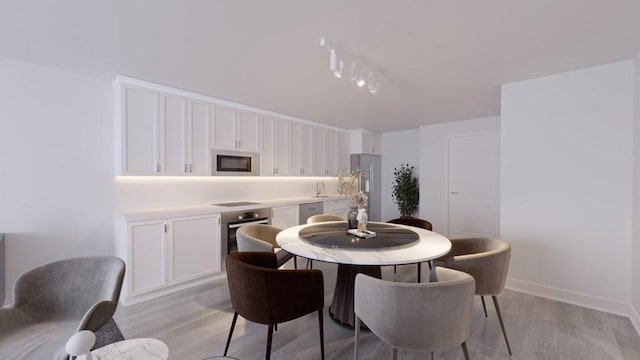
column 344, row 152
column 295, row 149
column 139, row 138
column 267, row 146
column 307, row 150
column 285, row 216
column 198, row 151
column 224, row 123
column 331, row 160
column 146, row 257
column 337, row 207
column 173, row 133
column 372, row 143
column 247, row 131
column 194, row 245
column 281, row 147
column 319, row 151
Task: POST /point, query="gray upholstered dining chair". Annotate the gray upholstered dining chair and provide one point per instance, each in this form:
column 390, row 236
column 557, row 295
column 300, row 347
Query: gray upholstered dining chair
column 419, row 223
column 53, row 301
column 314, row 219
column 416, row 316
column 487, row 260
column 261, row 237
column 324, row 218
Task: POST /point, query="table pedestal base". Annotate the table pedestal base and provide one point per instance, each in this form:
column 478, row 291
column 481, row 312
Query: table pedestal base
column 341, row 310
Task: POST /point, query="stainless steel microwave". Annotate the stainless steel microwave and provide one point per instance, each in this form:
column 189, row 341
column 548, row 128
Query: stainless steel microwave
column 234, row 163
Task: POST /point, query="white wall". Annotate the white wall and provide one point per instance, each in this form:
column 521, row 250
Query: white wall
column 566, row 185
column 55, row 165
column 434, row 165
column 57, row 188
column 635, row 255
column 399, row 147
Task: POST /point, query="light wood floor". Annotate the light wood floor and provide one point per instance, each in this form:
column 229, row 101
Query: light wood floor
column 195, row 323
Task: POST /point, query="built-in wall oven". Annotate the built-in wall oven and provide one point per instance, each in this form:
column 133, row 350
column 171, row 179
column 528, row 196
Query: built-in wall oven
column 233, row 220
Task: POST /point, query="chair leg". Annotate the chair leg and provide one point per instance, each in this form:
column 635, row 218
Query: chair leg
column 320, row 324
column 275, row 327
column 309, row 264
column 484, row 307
column 465, row 351
column 395, row 353
column 419, row 271
column 269, row 338
column 432, row 355
column 504, row 332
column 233, row 325
column 295, row 262
column 394, row 269
column 356, row 336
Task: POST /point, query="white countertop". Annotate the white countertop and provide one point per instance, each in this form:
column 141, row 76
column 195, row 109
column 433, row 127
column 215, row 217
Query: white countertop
column 209, row 208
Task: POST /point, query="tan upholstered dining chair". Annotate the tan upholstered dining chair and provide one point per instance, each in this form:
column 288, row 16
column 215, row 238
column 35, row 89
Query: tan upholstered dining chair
column 261, row 237
column 416, row 222
column 420, row 317
column 314, row 219
column 487, row 260
column 263, row 294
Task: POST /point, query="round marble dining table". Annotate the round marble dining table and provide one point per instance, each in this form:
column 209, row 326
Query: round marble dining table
column 393, row 244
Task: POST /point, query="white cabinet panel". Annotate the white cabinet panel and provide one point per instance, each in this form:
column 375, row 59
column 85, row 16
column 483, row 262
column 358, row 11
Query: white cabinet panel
column 147, row 256
column 307, row 150
column 198, row 142
column 140, row 123
column 267, row 144
column 285, row 216
column 295, row 149
column 247, row 131
column 194, row 245
column 331, row 153
column 337, row 207
column 372, row 143
column 173, row 117
column 319, row 151
column 224, row 123
column 344, row 153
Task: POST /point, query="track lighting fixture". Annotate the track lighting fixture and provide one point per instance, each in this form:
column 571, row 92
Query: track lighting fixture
column 337, row 59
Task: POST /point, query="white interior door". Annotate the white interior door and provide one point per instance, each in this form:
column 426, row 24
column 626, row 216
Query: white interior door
column 474, row 186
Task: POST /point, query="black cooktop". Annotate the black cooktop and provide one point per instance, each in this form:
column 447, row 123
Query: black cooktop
column 237, row 203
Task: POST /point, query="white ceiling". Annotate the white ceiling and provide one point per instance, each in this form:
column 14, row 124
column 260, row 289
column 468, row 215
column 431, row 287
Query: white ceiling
column 441, row 60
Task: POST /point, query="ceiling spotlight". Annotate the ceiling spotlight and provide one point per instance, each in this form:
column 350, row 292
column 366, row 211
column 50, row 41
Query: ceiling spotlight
column 374, row 83
column 358, row 68
column 338, row 71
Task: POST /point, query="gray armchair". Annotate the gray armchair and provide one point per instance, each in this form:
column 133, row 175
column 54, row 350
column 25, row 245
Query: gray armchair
column 416, row 316
column 260, row 237
column 52, row 302
column 487, row 260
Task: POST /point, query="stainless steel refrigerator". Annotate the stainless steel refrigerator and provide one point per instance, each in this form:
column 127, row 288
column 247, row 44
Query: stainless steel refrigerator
column 370, row 182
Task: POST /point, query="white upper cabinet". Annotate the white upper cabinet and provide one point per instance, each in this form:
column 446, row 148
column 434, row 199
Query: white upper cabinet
column 235, row 129
column 300, row 149
column 140, row 116
column 366, row 142
column 331, row 160
column 198, row 154
column 173, row 134
column 319, row 151
column 274, row 151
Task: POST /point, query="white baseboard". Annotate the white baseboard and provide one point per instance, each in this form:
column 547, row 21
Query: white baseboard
column 575, row 298
column 635, row 319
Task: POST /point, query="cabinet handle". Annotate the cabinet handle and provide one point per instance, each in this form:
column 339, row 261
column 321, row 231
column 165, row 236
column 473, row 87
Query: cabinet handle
column 190, row 168
column 239, row 146
column 157, row 167
column 165, row 228
column 186, row 168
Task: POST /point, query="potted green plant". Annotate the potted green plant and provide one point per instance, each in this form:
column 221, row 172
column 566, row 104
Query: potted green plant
column 406, row 191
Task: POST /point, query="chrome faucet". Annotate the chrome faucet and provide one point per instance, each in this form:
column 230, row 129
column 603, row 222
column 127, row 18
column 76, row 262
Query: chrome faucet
column 318, row 188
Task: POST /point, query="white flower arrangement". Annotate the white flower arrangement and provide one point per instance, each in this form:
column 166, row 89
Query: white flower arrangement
column 349, row 187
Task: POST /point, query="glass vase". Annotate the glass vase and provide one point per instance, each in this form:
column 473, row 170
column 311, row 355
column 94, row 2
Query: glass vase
column 352, row 218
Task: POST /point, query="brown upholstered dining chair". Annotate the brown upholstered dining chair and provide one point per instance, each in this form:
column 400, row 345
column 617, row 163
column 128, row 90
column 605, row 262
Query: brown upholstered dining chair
column 487, row 260
column 420, row 317
column 261, row 237
column 263, row 294
column 416, row 222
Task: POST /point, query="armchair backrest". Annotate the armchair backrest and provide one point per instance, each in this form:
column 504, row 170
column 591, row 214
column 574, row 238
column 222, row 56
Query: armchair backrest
column 85, row 288
column 257, row 237
column 417, row 316
column 314, row 219
column 486, row 259
column 411, row 221
column 261, row 293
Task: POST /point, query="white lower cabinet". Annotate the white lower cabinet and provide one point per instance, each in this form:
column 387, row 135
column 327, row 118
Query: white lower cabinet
column 285, row 216
column 167, row 255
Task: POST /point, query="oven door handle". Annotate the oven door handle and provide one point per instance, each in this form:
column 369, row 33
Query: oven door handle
column 235, row 226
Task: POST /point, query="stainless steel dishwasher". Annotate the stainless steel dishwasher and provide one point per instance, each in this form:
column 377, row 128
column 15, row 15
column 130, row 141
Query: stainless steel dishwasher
column 309, row 209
